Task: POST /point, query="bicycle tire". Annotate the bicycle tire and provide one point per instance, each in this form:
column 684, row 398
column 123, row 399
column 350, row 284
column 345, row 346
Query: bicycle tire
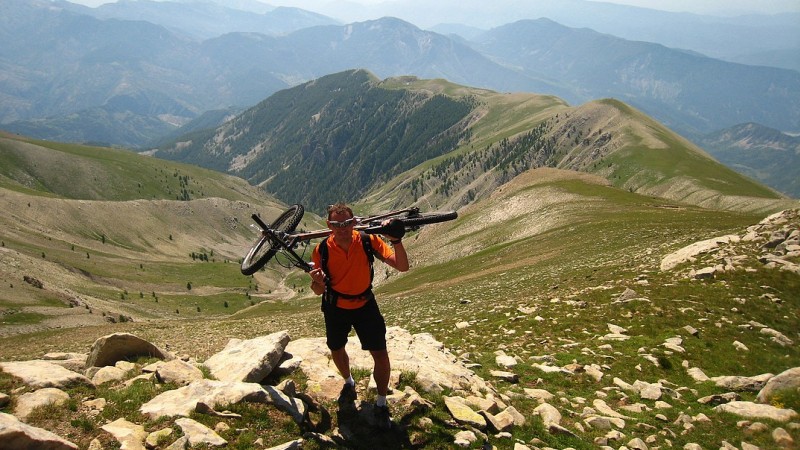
column 428, row 218
column 265, row 248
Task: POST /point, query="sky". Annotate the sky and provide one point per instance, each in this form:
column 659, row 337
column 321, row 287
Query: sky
column 713, row 7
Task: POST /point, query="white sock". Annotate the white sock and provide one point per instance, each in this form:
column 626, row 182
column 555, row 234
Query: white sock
column 380, row 400
column 350, row 381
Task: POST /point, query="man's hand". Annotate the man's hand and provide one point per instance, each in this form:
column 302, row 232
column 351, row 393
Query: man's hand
column 317, row 280
column 317, row 276
column 395, row 230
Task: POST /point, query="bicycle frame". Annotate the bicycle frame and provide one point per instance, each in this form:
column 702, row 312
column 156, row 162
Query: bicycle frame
column 289, row 241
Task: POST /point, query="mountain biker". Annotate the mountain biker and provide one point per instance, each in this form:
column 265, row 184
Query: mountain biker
column 343, row 276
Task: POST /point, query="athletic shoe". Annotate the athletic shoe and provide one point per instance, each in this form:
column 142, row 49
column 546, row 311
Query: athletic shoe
column 347, row 396
column 383, row 420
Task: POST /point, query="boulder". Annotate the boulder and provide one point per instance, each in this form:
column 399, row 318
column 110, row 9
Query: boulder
column 107, row 350
column 43, row 374
column 177, row 371
column 787, row 380
column 248, row 361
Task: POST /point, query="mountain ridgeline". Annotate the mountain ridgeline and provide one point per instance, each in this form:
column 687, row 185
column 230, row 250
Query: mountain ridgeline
column 85, row 75
column 331, row 138
column 351, row 136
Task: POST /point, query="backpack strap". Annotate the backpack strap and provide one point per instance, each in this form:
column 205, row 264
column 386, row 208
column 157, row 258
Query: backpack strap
column 366, row 242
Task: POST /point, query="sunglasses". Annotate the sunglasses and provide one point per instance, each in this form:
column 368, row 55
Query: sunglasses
column 343, row 223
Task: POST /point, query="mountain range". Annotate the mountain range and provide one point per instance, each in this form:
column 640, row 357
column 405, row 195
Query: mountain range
column 96, row 75
column 762, row 153
column 431, row 142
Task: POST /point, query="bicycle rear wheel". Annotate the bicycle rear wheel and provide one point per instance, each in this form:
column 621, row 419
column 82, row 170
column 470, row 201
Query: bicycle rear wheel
column 266, row 247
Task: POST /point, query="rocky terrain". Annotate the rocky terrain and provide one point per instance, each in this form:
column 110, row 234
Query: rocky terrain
column 130, row 393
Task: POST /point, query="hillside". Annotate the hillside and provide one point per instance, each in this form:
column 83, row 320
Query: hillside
column 557, row 269
column 437, row 144
column 104, row 232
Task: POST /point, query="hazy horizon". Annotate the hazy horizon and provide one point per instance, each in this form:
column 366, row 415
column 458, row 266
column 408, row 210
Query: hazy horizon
column 349, row 9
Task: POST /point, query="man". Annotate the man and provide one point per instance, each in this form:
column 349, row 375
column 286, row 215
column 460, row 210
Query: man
column 345, row 279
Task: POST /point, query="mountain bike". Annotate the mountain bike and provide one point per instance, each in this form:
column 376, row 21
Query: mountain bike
column 279, row 237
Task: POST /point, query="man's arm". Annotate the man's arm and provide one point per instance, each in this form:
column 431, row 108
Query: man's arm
column 399, row 259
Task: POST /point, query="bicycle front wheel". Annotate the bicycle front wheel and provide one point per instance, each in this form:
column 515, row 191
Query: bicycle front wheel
column 266, row 247
column 428, row 218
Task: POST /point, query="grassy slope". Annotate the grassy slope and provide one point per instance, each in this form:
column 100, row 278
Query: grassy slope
column 641, row 155
column 562, row 245
column 114, row 251
column 97, row 173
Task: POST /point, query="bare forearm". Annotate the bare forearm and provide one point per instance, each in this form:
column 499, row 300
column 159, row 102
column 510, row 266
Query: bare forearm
column 400, row 257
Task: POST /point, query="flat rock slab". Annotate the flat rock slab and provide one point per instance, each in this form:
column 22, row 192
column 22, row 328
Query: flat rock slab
column 15, row 434
column 44, row 374
column 183, row 401
column 436, row 368
column 757, row 411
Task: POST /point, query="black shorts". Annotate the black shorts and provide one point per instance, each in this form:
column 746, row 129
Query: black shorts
column 368, row 322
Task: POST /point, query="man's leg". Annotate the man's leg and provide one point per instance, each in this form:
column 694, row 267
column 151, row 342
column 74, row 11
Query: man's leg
column 381, row 370
column 342, row 362
column 347, row 396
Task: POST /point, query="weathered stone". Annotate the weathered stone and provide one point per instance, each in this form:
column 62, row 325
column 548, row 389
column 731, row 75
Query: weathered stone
column 107, row 350
column 757, row 411
column 697, row 374
column 130, row 435
column 108, row 374
column 498, row 423
column 199, row 434
column 248, row 361
column 152, row 440
column 37, row 399
column 678, row 257
column 505, row 376
column 603, row 408
column 505, row 361
column 291, row 445
column 483, row 404
column 540, row 395
column 786, row 380
column 548, row 413
column 182, row 401
column 178, row 371
column 739, row 383
column 463, row 413
column 782, row 438
column 17, row 435
column 43, row 374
